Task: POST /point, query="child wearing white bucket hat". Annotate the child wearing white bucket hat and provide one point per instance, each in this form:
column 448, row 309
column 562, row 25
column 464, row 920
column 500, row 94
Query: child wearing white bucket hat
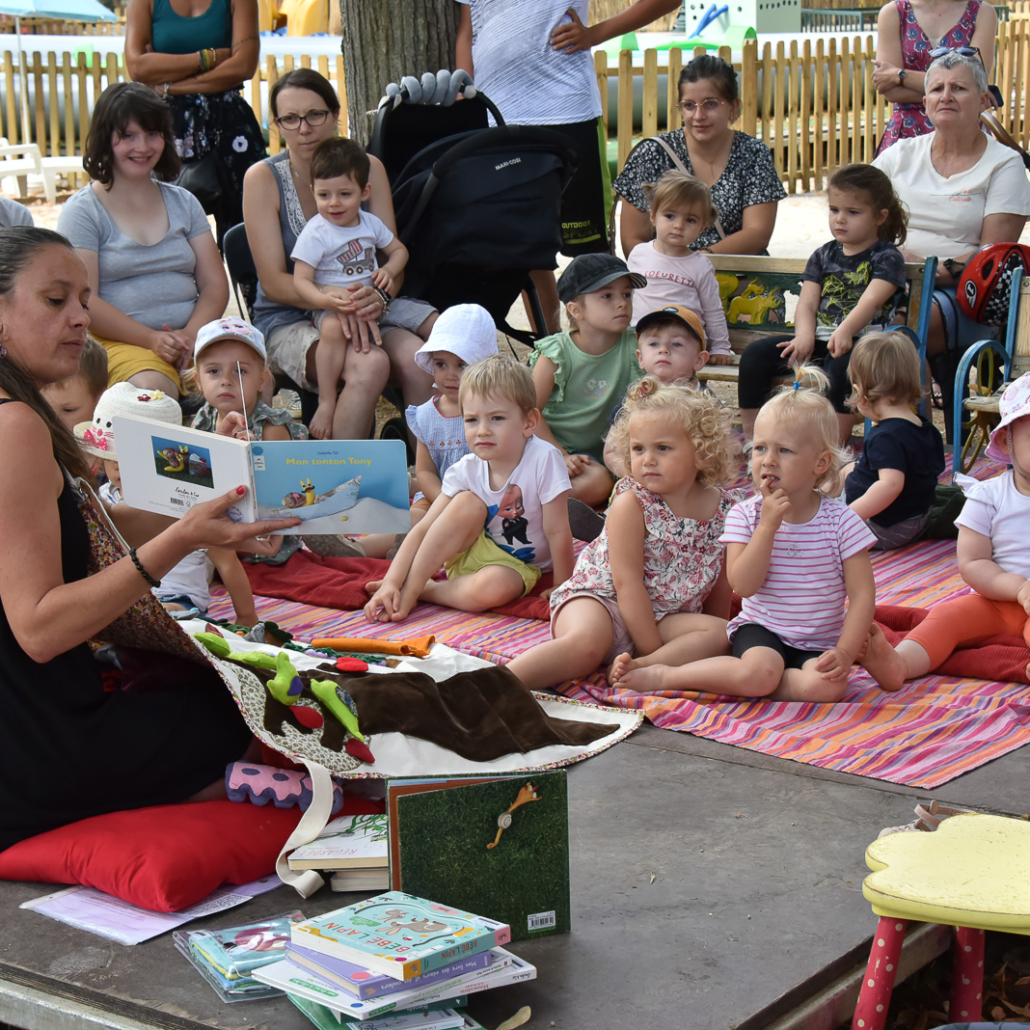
column 992, row 557
column 185, row 590
column 461, row 336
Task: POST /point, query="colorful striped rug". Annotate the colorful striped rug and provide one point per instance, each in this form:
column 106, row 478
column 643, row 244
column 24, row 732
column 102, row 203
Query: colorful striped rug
column 933, row 730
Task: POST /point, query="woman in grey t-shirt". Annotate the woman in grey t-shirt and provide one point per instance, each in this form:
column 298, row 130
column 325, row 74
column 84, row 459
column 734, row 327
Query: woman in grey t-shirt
column 152, row 262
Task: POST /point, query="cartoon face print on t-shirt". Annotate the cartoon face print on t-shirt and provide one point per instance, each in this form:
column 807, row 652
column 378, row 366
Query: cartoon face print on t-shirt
column 512, row 512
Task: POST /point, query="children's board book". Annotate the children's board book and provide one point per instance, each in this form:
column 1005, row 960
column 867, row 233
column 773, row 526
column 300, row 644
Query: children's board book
column 350, row 842
column 227, row 958
column 363, row 983
column 333, row 486
column 449, row 993
column 368, row 881
column 499, row 846
column 399, row 934
column 326, row 1019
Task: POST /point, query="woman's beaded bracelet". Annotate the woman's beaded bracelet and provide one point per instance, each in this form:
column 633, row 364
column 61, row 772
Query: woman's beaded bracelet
column 142, row 571
column 385, row 298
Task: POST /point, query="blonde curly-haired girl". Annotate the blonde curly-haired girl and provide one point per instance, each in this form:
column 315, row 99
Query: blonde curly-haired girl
column 653, row 584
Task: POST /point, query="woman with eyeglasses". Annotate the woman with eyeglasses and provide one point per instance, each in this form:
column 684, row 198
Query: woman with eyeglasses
column 277, row 203
column 196, row 54
column 737, row 168
column 963, row 190
column 911, row 34
column 153, row 266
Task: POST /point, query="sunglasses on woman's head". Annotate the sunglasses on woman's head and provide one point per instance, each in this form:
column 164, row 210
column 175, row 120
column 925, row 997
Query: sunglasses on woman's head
column 962, row 51
column 292, row 121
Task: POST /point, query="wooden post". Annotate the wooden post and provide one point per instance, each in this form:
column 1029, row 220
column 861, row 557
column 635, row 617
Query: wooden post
column 673, row 120
column 13, row 126
column 272, row 75
column 601, row 72
column 749, row 98
column 836, row 78
column 819, row 132
column 778, row 106
column 649, row 106
column 793, row 135
column 625, row 105
column 55, row 122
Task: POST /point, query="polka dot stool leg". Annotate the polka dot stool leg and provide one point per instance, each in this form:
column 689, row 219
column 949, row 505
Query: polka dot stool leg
column 875, row 996
column 967, row 970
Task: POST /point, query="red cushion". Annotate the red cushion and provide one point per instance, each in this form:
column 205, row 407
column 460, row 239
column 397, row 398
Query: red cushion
column 162, row 858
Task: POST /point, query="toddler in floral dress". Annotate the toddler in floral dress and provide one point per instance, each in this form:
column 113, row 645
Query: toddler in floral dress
column 653, row 584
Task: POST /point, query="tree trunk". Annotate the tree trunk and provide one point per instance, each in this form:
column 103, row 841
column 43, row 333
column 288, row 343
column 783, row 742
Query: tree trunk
column 386, row 39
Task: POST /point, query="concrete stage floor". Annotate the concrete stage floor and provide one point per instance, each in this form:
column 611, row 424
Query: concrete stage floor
column 755, row 904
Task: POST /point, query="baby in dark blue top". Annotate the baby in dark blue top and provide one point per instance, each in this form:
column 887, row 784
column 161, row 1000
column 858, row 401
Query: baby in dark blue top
column 892, row 482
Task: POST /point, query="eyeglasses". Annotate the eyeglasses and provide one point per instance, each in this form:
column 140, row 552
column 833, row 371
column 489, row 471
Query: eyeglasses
column 962, row 51
column 709, row 106
column 312, row 118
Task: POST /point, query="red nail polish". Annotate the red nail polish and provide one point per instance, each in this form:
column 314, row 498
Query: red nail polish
column 240, row 491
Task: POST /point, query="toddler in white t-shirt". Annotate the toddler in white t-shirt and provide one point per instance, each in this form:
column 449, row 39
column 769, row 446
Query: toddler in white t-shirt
column 335, row 251
column 501, row 519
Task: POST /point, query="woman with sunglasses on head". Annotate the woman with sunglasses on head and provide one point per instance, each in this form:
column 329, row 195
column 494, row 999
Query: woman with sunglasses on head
column 737, row 168
column 911, row 34
column 197, row 54
column 277, row 203
column 963, row 190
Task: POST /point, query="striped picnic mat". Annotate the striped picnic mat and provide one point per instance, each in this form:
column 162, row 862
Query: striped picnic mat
column 931, row 731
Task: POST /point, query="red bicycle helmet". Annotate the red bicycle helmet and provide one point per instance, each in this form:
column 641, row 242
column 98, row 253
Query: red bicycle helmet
column 986, row 282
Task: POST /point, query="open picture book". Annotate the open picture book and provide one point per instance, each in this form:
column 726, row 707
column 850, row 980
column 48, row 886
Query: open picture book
column 333, row 486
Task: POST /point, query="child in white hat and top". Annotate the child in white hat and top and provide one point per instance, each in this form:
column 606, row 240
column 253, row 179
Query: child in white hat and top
column 185, row 590
column 461, row 336
column 231, row 367
column 992, row 557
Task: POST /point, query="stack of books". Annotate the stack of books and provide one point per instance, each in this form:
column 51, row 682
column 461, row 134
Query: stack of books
column 353, row 848
column 396, row 956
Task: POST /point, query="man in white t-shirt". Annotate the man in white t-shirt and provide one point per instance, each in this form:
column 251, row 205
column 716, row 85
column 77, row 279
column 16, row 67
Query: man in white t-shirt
column 501, row 520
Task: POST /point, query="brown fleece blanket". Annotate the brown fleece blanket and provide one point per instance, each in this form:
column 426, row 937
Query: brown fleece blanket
column 479, row 715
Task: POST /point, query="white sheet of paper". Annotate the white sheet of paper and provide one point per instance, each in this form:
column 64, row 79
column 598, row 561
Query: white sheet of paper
column 96, row 912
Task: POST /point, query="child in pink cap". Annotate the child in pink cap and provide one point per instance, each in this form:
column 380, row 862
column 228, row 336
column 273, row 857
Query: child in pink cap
column 992, row 557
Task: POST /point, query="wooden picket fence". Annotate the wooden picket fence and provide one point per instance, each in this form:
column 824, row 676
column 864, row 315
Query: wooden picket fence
column 61, row 126
column 811, row 102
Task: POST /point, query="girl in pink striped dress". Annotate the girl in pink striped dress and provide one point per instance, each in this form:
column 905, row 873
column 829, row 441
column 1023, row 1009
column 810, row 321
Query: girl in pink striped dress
column 795, row 556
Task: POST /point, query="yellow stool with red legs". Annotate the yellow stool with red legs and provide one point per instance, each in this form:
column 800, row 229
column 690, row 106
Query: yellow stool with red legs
column 972, row 873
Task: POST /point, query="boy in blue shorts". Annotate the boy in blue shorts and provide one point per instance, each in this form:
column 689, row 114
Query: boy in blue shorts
column 501, row 519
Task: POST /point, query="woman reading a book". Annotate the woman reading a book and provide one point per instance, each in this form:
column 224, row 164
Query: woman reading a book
column 68, row 748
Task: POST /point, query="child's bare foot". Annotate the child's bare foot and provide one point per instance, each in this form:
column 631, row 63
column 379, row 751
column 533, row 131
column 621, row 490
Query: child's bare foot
column 622, row 664
column 321, row 424
column 630, row 674
column 372, row 586
column 882, row 662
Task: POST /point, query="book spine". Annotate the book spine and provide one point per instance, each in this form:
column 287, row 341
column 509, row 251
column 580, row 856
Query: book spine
column 488, row 940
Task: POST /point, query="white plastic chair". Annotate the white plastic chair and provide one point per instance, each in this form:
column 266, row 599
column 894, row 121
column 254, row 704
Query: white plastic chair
column 24, row 159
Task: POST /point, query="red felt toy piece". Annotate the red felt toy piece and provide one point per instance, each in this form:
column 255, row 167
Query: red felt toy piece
column 347, row 664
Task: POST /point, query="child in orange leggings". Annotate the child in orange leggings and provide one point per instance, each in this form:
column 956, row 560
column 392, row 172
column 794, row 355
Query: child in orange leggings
column 993, row 557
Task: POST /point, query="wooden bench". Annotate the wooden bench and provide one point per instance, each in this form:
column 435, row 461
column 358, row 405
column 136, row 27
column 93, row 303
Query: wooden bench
column 996, row 364
column 761, row 293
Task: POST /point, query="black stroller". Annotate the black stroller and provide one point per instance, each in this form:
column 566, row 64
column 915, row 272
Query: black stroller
column 477, row 207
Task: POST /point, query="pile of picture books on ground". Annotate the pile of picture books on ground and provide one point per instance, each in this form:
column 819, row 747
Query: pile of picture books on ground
column 353, row 849
column 394, row 962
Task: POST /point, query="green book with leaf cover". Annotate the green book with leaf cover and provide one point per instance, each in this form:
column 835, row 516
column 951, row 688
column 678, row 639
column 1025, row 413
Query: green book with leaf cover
column 498, row 846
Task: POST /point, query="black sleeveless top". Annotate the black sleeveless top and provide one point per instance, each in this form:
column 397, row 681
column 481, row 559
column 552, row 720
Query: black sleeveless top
column 69, row 749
